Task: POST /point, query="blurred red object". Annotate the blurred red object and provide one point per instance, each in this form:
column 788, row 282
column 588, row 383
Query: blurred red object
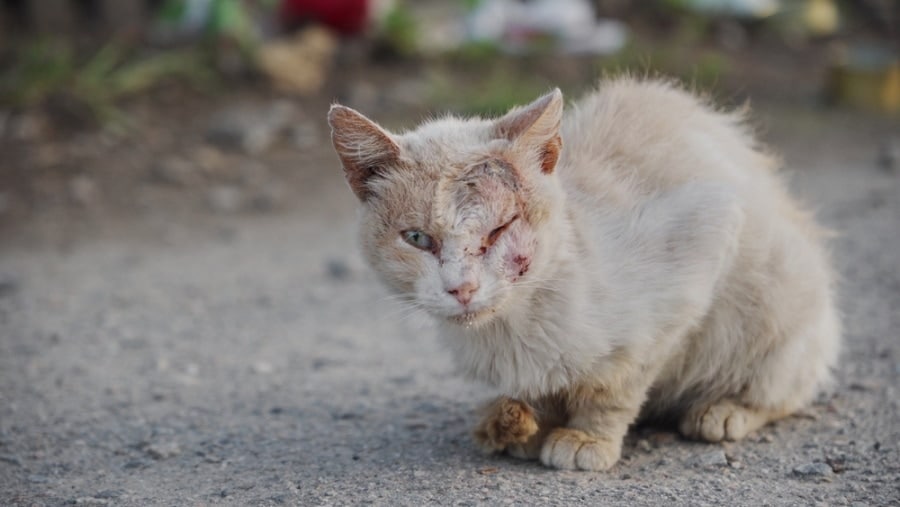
column 348, row 17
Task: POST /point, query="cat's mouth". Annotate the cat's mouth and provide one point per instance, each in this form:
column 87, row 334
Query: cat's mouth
column 473, row 317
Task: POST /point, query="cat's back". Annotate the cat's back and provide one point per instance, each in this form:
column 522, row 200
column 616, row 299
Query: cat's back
column 631, row 137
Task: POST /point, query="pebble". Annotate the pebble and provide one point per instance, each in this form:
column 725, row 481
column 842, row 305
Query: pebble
column 338, row 269
column 306, row 136
column 644, row 445
column 267, row 197
column 889, row 154
column 90, row 500
column 174, row 171
column 163, row 450
column 110, row 493
column 38, row 479
column 225, row 199
column 250, row 129
column 714, row 458
column 813, row 470
column 262, row 367
column 9, row 285
column 82, row 190
column 11, row 459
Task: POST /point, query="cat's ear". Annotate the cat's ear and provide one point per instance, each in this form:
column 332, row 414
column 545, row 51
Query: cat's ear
column 535, row 128
column 363, row 147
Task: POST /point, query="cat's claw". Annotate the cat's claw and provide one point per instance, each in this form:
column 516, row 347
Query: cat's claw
column 572, row 449
column 506, row 422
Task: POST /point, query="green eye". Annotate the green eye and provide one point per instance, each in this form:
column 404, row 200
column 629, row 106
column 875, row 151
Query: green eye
column 418, row 239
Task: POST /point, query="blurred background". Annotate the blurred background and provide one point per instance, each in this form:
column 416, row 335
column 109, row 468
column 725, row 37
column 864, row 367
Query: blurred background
column 126, row 108
column 185, row 318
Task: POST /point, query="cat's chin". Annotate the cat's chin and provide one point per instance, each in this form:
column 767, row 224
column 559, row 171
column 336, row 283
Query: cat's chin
column 474, row 318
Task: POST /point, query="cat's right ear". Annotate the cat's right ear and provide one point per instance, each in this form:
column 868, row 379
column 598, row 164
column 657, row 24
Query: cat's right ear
column 534, row 129
column 363, row 147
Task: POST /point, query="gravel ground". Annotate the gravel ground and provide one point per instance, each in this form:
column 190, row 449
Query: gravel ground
column 251, row 359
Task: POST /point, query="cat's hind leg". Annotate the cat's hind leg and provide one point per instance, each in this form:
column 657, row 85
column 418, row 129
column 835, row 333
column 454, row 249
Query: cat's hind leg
column 725, row 420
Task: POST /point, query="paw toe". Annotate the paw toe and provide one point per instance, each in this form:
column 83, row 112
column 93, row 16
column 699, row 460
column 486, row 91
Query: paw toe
column 571, row 449
column 722, row 421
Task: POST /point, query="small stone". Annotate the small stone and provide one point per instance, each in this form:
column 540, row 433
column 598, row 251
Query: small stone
column 90, row 500
column 11, row 459
column 262, row 367
column 82, row 190
column 715, row 458
column 250, row 129
column 38, row 479
column 163, row 450
column 135, row 463
column 9, row 285
column 174, row 171
column 338, row 269
column 305, row 135
column 225, row 199
column 813, row 470
column 267, row 197
column 110, row 493
column 28, row 127
column 208, row 158
column 889, row 154
column 644, row 445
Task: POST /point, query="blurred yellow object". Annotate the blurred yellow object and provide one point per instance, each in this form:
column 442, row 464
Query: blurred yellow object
column 299, row 64
column 890, row 92
column 866, row 77
column 821, row 17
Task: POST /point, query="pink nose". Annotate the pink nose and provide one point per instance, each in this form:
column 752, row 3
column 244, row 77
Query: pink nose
column 464, row 292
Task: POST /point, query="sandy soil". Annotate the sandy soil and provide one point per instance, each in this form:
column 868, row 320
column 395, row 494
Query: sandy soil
column 188, row 350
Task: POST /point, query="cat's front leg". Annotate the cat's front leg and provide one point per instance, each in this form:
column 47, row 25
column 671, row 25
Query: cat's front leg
column 505, row 422
column 599, row 418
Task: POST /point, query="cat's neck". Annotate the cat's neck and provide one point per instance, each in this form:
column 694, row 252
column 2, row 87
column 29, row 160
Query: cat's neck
column 533, row 345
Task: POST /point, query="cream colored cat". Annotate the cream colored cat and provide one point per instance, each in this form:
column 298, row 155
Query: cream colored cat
column 639, row 258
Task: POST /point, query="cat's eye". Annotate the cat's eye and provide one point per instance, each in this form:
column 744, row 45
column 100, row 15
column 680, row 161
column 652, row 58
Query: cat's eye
column 495, row 234
column 418, row 239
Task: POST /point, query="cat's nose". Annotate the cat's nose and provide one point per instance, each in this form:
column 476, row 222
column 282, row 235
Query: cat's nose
column 464, row 292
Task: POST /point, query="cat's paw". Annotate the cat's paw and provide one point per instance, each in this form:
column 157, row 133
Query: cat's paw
column 573, row 449
column 724, row 420
column 507, row 423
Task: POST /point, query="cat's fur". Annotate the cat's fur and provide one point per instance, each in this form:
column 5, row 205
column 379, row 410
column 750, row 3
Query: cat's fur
column 649, row 264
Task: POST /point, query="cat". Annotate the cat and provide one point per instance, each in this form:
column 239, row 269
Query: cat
column 638, row 259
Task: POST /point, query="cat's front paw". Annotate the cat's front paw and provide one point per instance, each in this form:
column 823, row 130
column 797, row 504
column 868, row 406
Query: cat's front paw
column 506, row 422
column 573, row 449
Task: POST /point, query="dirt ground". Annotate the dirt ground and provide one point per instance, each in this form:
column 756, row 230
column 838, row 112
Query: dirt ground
column 185, row 320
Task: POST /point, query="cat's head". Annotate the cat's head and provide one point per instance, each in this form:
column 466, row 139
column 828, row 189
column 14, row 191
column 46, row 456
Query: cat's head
column 459, row 215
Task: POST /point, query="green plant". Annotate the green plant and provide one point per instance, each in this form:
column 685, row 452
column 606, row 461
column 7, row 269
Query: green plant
column 47, row 68
column 400, row 30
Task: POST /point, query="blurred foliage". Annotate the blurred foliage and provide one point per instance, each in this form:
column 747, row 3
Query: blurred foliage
column 44, row 69
column 699, row 69
column 400, row 30
column 493, row 92
column 479, row 80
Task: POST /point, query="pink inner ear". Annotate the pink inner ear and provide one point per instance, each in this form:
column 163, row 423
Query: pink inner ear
column 550, row 155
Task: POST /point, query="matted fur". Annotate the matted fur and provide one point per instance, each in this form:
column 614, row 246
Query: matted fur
column 638, row 258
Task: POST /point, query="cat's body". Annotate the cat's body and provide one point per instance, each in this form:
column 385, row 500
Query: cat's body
column 649, row 264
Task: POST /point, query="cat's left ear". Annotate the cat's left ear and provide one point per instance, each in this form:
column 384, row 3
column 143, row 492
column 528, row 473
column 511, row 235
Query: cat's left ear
column 363, row 147
column 534, row 129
